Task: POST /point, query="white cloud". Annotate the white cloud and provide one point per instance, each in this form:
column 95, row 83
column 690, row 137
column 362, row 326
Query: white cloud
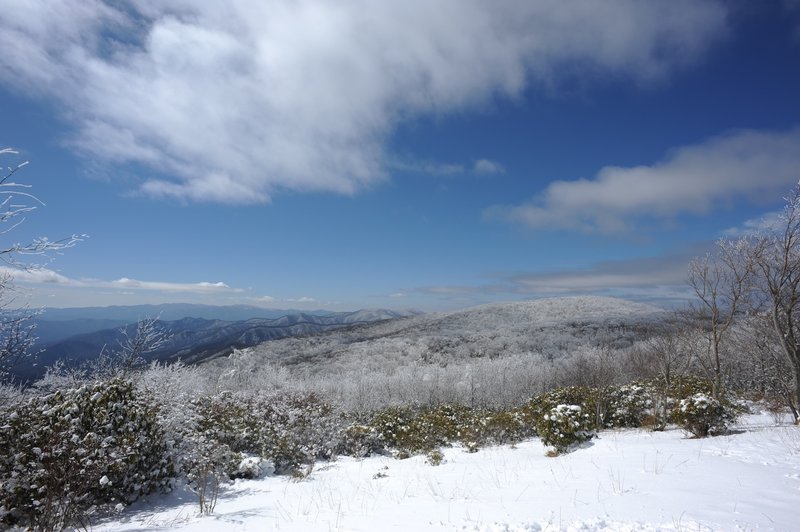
column 233, row 101
column 303, row 299
column 603, row 277
column 485, row 166
column 196, row 288
column 479, row 167
column 426, row 167
column 659, row 279
column 34, row 276
column 739, row 166
column 46, row 276
column 755, row 226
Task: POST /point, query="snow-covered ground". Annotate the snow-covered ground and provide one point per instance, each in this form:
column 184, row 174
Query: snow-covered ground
column 623, row 480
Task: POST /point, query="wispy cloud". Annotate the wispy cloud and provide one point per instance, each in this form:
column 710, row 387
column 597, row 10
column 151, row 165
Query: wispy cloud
column 303, row 299
column 233, row 101
column 46, row 276
column 35, row 276
column 479, row 167
column 466, row 290
column 659, row 279
column 755, row 226
column 426, row 167
column 621, row 276
column 487, row 167
column 742, row 165
column 197, row 288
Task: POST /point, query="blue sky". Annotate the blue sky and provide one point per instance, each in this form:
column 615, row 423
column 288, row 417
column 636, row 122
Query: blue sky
column 357, row 154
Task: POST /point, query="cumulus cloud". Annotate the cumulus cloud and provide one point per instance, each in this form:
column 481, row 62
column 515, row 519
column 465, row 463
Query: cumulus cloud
column 231, row 101
column 743, row 165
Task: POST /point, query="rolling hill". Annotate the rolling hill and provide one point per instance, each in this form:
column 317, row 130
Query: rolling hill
column 546, row 327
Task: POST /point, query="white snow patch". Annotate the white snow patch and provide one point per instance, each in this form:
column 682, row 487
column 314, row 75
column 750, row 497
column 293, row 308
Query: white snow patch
column 626, row 480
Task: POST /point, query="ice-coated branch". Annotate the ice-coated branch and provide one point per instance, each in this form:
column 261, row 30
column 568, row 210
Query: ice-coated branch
column 16, row 324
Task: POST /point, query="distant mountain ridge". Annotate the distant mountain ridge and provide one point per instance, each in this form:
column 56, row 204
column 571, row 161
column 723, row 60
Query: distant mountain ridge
column 192, row 339
column 546, row 327
column 171, row 312
column 348, row 341
column 56, row 324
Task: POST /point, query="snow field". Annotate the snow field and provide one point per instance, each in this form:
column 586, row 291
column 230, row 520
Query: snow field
column 623, row 480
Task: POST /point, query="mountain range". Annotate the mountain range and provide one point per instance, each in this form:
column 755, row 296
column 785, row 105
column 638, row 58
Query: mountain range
column 78, row 335
column 549, row 328
column 321, row 341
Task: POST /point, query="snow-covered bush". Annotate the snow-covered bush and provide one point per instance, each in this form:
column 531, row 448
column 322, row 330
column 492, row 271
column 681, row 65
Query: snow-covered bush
column 414, row 431
column 296, row 428
column 582, row 396
column 628, row 406
column 701, row 415
column 10, row 396
column 434, row 458
column 254, row 467
column 288, row 428
column 687, row 386
column 396, row 429
column 228, row 420
column 606, row 406
column 410, row 431
column 215, row 438
column 69, row 452
column 360, row 440
column 206, row 464
column 508, row 426
column 564, row 426
column 446, row 424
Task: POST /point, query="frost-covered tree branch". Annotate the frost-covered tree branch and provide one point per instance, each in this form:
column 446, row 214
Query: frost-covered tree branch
column 721, row 281
column 15, row 203
column 16, row 325
column 148, row 337
column 776, row 257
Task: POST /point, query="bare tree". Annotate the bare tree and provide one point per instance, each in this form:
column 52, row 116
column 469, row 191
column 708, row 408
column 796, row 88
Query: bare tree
column 776, row 256
column 761, row 365
column 666, row 357
column 722, row 282
column 148, row 337
column 16, row 325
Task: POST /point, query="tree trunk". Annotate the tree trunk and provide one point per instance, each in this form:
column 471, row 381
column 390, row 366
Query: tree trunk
column 796, row 401
column 717, row 384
